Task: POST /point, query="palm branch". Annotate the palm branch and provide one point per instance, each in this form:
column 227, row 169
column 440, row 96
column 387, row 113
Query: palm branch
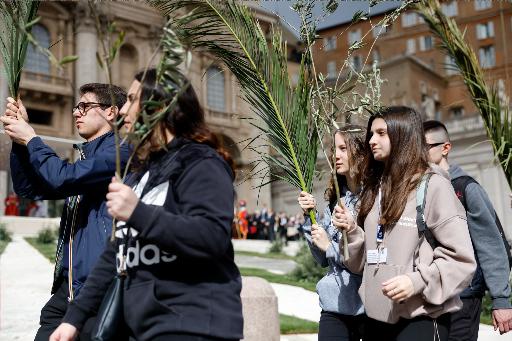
column 16, row 19
column 229, row 32
column 171, row 78
column 495, row 115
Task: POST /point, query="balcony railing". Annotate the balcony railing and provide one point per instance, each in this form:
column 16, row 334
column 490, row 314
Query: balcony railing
column 465, row 125
column 47, row 82
column 222, row 118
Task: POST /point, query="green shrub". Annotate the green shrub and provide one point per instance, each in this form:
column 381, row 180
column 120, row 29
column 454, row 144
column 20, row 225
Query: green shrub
column 485, row 315
column 307, row 269
column 5, row 235
column 276, row 246
column 46, row 236
column 56, row 232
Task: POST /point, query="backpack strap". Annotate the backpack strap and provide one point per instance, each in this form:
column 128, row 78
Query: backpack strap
column 421, row 199
column 459, row 185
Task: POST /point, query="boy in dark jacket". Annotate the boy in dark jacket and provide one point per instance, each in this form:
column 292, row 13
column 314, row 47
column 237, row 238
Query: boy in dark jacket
column 39, row 173
column 492, row 261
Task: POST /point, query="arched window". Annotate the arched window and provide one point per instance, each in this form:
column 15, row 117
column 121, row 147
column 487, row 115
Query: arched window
column 215, row 88
column 128, row 62
column 36, row 61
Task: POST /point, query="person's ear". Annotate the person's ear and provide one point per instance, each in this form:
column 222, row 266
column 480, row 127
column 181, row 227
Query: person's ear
column 112, row 113
column 447, row 146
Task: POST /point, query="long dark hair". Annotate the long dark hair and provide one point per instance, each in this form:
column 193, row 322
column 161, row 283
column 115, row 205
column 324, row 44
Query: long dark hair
column 400, row 175
column 186, row 120
column 354, row 140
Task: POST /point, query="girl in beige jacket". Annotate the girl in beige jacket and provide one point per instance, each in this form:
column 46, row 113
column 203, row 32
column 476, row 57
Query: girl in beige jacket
column 408, row 288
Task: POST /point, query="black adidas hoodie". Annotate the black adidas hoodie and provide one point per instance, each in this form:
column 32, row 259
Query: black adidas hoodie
column 181, row 272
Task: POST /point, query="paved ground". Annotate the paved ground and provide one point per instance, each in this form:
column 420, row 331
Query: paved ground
column 25, row 281
column 277, row 266
column 26, row 276
column 262, row 246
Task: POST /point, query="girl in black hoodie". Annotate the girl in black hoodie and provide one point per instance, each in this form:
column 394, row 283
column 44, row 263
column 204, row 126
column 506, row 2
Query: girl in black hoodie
column 175, row 215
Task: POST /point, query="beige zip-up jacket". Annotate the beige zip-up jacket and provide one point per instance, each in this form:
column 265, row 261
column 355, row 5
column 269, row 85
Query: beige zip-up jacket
column 438, row 275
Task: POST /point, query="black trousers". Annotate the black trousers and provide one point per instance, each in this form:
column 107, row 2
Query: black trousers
column 338, row 327
column 465, row 322
column 53, row 312
column 421, row 328
column 187, row 337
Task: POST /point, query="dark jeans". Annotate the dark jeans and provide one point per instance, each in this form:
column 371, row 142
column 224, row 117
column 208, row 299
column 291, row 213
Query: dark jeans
column 417, row 329
column 187, row 337
column 466, row 321
column 53, row 312
column 337, row 327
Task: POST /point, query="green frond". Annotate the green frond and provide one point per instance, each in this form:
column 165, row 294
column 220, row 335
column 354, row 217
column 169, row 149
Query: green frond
column 228, row 31
column 16, row 19
column 496, row 117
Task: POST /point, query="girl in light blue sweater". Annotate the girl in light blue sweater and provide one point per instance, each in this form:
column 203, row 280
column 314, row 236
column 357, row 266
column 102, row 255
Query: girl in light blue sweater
column 342, row 314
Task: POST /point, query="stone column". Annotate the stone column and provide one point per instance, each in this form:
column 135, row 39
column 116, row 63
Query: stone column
column 86, row 46
column 4, row 141
column 4, row 89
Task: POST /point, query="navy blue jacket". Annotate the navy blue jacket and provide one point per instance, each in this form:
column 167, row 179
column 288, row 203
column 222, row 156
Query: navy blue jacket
column 180, row 261
column 39, row 173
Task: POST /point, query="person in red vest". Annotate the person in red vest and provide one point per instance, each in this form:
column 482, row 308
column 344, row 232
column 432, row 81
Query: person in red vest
column 242, row 219
column 12, row 204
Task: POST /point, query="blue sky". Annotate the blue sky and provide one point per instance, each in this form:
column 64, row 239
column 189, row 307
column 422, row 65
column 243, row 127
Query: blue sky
column 345, row 11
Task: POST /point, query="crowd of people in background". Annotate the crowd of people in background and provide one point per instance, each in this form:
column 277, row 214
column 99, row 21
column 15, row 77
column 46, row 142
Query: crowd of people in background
column 16, row 206
column 403, row 262
column 265, row 224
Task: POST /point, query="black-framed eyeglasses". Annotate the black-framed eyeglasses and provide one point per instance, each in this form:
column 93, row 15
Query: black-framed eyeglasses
column 432, row 145
column 83, row 107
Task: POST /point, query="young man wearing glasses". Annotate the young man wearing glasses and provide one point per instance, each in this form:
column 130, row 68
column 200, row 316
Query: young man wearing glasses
column 486, row 235
column 38, row 173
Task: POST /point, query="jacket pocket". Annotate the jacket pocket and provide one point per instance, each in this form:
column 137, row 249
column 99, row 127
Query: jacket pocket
column 145, row 314
column 377, row 305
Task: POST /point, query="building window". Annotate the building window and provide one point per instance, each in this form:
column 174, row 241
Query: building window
column 128, row 64
column 484, row 31
column 450, row 66
column 356, row 62
column 376, row 56
column 423, row 88
column 216, row 88
column 354, row 36
column 35, row 60
column 379, row 30
column 409, row 19
column 482, row 4
column 457, row 112
column 330, row 43
column 40, row 117
column 487, row 56
column 450, row 8
column 426, row 43
column 331, row 70
column 411, row 46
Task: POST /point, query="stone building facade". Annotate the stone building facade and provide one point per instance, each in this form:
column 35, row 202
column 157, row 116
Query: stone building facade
column 419, row 75
column 49, row 95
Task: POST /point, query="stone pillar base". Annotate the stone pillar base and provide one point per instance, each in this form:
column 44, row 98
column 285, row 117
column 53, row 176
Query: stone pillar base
column 261, row 317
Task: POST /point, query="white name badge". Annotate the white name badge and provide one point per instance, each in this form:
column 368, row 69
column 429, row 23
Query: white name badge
column 377, row 256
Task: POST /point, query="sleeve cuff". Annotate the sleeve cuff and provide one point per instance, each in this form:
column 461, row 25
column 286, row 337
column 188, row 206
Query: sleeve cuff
column 141, row 216
column 331, row 251
column 34, row 144
column 16, row 147
column 75, row 316
column 417, row 282
column 501, row 303
column 354, row 233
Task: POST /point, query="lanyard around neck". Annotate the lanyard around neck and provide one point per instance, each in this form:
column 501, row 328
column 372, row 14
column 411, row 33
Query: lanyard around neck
column 380, row 228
